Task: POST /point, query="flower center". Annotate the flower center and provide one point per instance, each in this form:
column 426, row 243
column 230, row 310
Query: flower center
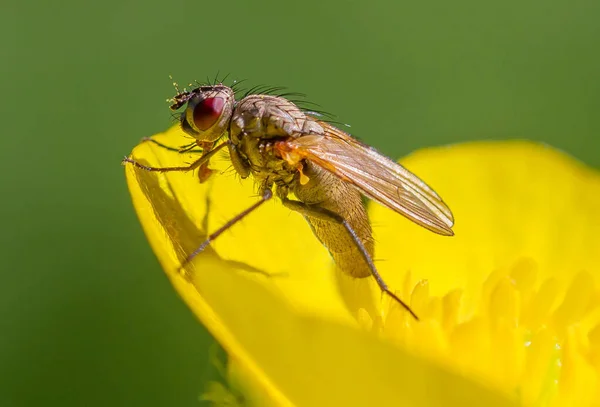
column 537, row 339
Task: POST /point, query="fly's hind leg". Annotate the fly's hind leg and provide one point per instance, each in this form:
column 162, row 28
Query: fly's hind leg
column 319, row 212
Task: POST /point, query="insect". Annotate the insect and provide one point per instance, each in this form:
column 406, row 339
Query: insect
column 291, row 150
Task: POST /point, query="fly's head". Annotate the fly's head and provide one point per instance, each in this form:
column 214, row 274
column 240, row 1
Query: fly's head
column 208, row 111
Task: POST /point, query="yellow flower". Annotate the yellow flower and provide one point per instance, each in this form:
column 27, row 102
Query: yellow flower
column 509, row 307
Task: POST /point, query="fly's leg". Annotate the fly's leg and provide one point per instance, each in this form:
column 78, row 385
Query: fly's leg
column 204, row 172
column 266, row 195
column 319, row 212
column 187, row 148
column 239, row 164
column 205, row 147
column 200, row 161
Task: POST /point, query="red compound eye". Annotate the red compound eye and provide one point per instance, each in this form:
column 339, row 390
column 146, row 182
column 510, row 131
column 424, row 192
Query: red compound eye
column 207, row 112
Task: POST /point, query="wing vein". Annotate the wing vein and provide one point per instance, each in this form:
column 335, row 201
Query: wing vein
column 376, row 176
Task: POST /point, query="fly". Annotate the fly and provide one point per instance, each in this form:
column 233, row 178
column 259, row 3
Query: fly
column 289, row 150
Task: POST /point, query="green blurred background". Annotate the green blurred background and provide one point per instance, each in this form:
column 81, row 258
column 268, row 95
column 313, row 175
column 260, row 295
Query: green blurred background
column 87, row 316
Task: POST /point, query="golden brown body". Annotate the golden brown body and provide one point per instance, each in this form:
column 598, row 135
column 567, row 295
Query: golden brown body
column 258, row 121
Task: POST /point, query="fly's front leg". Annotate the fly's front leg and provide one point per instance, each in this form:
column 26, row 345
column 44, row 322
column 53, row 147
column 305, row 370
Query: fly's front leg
column 187, row 148
column 203, row 171
column 205, row 147
column 202, row 160
column 319, row 212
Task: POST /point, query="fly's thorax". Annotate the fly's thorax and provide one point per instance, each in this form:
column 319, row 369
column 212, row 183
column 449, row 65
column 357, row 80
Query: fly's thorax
column 257, row 123
column 208, row 111
column 259, row 157
column 266, row 116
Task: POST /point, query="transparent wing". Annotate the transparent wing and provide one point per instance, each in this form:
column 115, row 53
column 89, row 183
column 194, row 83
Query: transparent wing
column 375, row 175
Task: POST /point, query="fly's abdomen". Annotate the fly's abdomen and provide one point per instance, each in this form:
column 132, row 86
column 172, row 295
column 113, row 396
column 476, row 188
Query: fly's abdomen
column 342, row 248
column 329, row 192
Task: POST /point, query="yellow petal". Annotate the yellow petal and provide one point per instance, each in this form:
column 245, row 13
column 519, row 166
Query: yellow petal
column 511, row 200
column 291, row 333
column 519, row 277
column 318, row 363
